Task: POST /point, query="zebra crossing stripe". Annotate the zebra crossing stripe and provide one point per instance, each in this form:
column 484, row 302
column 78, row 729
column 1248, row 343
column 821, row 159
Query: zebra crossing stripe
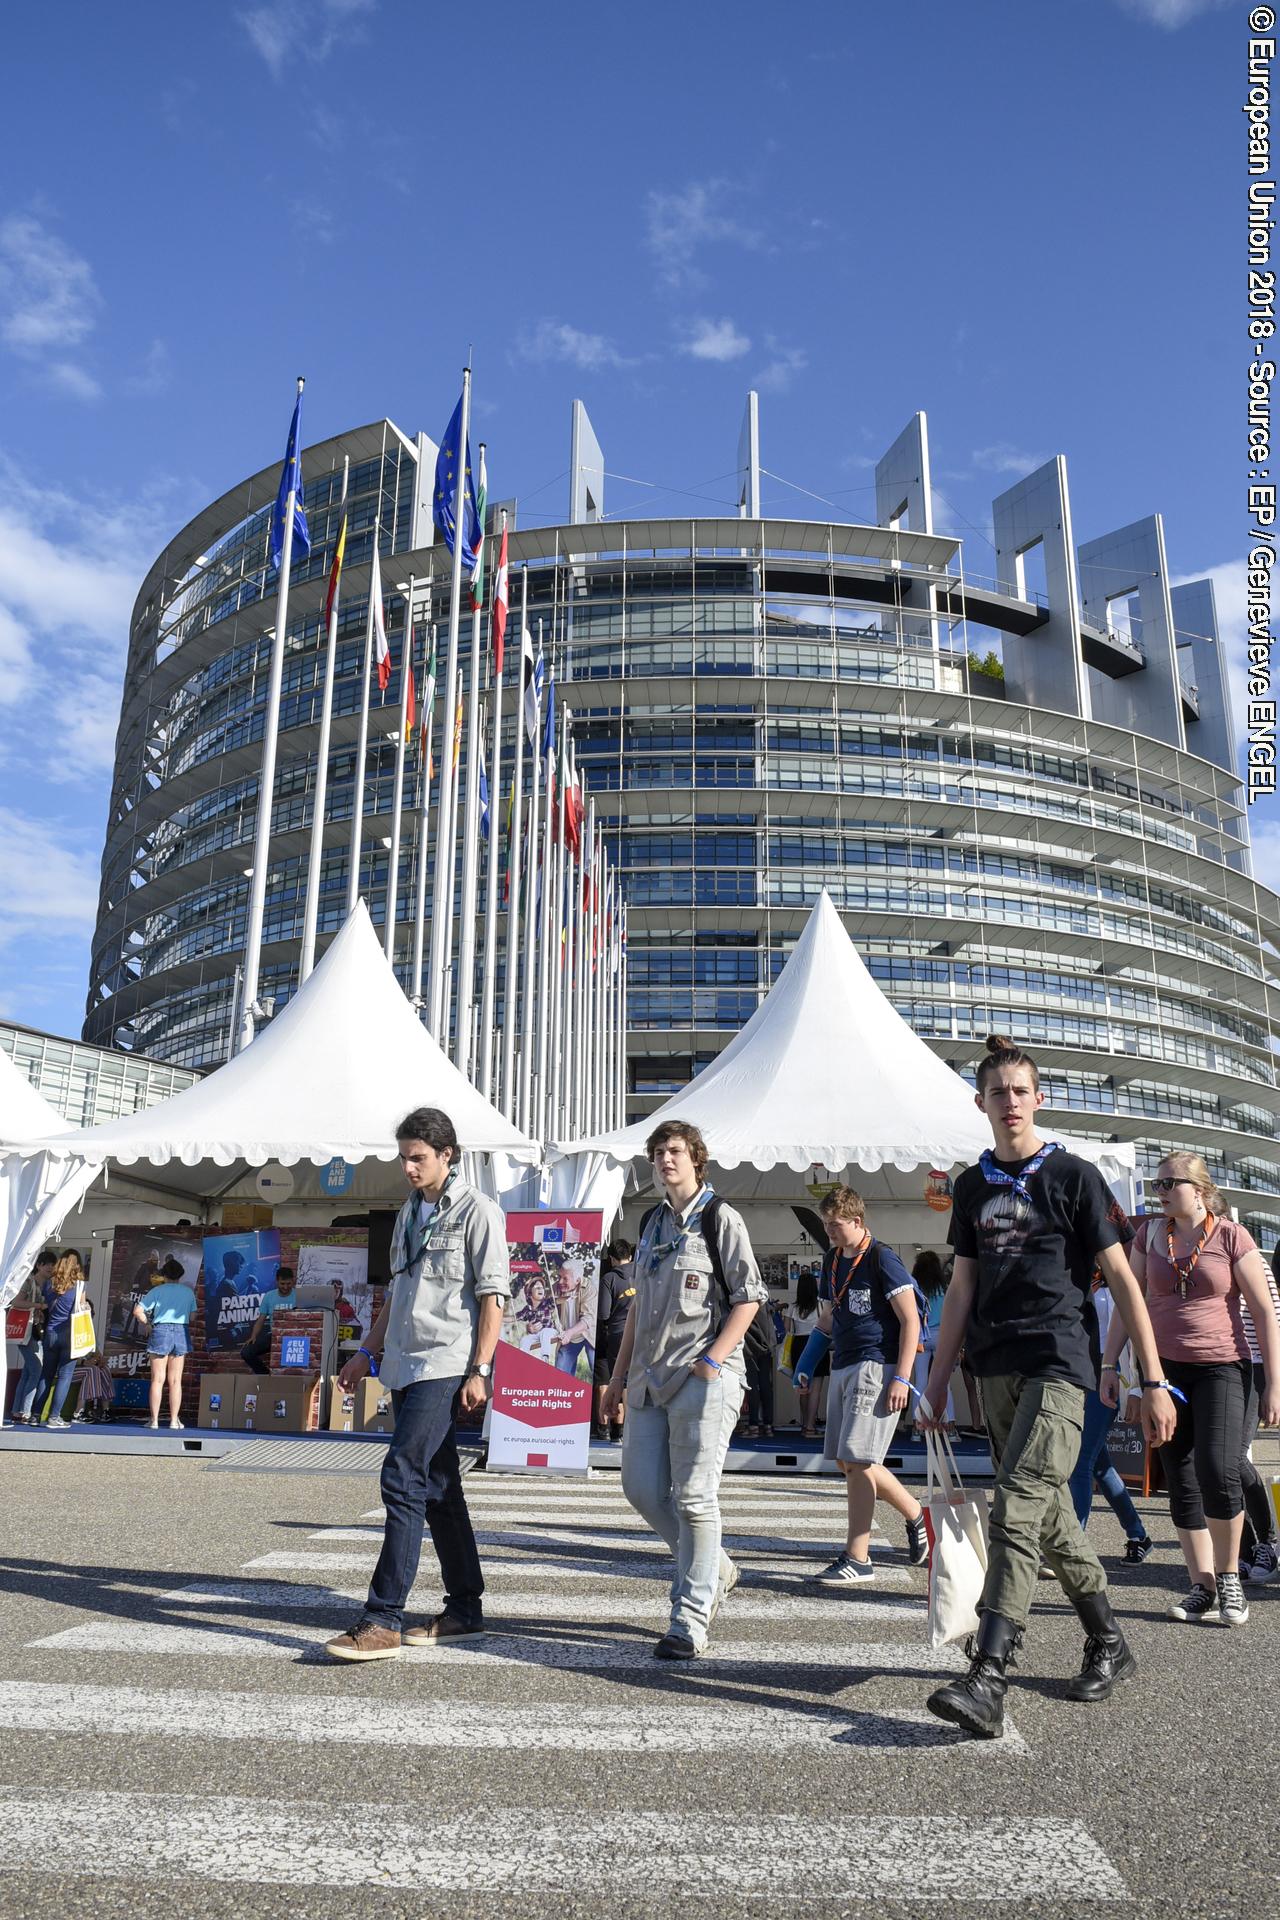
column 648, row 1723
column 638, row 1566
column 148, row 1639
column 286, row 1596
column 255, row 1840
column 637, row 1539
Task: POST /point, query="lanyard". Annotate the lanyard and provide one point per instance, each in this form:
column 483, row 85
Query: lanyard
column 837, row 1299
column 414, row 1255
column 997, row 1177
column 657, row 1250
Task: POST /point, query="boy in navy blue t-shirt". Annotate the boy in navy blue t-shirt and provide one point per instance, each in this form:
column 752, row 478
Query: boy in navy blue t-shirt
column 867, row 1300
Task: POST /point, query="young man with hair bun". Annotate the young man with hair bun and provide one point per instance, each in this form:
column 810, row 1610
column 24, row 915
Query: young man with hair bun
column 1029, row 1224
column 681, row 1366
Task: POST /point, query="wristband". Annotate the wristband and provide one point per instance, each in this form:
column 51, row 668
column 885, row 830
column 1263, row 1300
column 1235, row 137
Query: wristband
column 897, row 1377
column 1106, row 1369
column 706, row 1357
column 1168, row 1387
column 373, row 1365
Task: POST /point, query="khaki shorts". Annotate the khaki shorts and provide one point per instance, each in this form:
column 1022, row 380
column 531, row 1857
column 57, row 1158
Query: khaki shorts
column 860, row 1428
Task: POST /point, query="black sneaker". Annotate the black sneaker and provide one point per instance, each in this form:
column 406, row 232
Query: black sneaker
column 674, row 1646
column 1136, row 1551
column 845, row 1571
column 1265, row 1563
column 1199, row 1604
column 917, row 1542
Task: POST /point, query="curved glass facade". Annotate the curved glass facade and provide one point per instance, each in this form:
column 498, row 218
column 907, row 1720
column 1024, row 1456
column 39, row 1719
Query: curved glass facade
column 761, row 709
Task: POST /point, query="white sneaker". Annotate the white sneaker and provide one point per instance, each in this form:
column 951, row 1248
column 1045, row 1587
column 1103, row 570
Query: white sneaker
column 1233, row 1608
column 176, row 1426
column 153, row 1426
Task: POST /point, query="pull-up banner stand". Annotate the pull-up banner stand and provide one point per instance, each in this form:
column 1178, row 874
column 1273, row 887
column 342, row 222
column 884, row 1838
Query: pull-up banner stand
column 540, row 1415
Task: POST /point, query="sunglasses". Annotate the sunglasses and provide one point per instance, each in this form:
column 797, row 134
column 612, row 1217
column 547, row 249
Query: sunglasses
column 1167, row 1186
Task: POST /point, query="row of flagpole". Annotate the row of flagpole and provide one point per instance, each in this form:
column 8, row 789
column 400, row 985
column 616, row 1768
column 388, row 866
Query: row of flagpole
column 547, row 1042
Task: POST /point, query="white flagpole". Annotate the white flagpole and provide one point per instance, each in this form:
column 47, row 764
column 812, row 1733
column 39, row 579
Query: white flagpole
column 451, row 871
column 320, row 791
column 585, row 878
column 567, row 1034
column 489, row 978
column 362, row 743
column 622, row 1023
column 515, row 850
column 442, row 892
column 267, row 774
column 397, row 810
column 424, row 815
column 553, row 956
column 529, row 969
column 470, row 853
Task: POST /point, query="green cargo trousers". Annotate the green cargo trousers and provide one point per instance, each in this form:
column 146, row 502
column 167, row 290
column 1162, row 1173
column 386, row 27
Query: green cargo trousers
column 1035, row 1428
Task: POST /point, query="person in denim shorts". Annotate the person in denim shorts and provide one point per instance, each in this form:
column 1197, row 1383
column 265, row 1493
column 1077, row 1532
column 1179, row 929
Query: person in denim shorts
column 166, row 1311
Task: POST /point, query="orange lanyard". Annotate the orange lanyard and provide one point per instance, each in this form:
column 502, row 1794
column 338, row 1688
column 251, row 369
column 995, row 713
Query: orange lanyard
column 837, row 1298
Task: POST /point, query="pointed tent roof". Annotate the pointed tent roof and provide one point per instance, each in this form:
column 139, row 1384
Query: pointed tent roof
column 24, row 1113
column 331, row 1075
column 826, row 1072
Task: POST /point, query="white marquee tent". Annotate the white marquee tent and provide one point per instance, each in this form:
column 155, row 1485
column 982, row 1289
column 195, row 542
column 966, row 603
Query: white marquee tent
column 330, row 1077
column 825, row 1073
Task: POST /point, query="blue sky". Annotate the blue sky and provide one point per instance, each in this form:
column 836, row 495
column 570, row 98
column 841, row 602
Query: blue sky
column 1025, row 220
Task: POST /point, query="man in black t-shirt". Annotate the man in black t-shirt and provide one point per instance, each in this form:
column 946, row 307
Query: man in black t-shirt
column 1029, row 1224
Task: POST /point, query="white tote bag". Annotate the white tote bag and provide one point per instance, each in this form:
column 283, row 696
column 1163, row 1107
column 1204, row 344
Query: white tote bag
column 956, row 1521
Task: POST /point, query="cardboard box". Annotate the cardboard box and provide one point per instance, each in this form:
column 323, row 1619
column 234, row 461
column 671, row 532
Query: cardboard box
column 289, row 1403
column 373, row 1408
column 250, row 1402
column 218, row 1399
column 342, row 1408
column 245, row 1216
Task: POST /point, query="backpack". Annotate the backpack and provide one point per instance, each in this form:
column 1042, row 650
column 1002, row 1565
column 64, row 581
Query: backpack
column 759, row 1346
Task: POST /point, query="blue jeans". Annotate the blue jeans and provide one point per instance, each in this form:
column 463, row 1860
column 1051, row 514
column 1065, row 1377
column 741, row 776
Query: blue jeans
column 422, row 1487
column 567, row 1357
column 1094, row 1463
column 56, row 1370
column 672, row 1457
column 32, row 1361
column 816, row 1348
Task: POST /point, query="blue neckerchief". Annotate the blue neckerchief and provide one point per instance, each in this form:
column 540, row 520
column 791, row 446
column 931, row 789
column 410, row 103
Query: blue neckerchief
column 417, row 1230
column 997, row 1177
column 657, row 1250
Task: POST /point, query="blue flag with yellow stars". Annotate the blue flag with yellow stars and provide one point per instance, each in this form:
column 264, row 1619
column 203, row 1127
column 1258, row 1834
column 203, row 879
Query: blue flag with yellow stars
column 444, row 510
column 290, row 477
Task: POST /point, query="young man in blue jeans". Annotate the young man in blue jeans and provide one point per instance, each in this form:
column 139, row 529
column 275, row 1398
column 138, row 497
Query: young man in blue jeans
column 433, row 1345
column 682, row 1369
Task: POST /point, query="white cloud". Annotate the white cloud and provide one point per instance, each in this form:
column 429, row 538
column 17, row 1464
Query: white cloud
column 48, row 878
column 715, row 340
column 285, row 31
column 155, row 373
column 678, row 225
column 1172, row 14
column 49, row 303
column 555, row 340
column 776, row 376
column 1003, row 458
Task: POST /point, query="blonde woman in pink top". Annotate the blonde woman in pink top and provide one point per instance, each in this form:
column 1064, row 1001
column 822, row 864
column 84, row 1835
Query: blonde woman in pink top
column 1195, row 1264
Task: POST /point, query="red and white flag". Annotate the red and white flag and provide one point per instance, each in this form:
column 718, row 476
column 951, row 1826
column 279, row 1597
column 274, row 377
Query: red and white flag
column 381, row 651
column 500, row 602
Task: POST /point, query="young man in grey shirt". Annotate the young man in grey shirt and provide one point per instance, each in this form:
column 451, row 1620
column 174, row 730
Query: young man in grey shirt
column 433, row 1345
column 682, row 1369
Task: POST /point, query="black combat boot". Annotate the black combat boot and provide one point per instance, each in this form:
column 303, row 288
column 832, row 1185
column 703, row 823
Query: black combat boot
column 1108, row 1662
column 976, row 1703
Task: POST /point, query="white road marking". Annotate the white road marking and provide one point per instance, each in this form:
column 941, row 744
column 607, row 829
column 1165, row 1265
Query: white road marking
column 291, row 1843
column 637, row 1539
column 646, row 1724
column 283, row 1596
column 639, row 1566
column 146, row 1639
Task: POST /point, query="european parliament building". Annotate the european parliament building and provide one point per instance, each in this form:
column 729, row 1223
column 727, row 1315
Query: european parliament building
column 1021, row 790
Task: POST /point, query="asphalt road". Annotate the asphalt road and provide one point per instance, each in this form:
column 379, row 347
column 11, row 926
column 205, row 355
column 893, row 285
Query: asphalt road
column 173, row 1746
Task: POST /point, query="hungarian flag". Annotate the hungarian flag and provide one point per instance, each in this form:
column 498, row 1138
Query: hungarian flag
column 381, row 651
column 477, row 571
column 500, row 602
column 335, row 574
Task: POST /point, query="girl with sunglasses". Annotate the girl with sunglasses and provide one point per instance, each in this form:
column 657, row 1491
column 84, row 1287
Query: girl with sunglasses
column 1195, row 1264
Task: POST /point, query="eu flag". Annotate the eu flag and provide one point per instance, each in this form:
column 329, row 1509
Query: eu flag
column 549, row 724
column 449, row 463
column 290, row 477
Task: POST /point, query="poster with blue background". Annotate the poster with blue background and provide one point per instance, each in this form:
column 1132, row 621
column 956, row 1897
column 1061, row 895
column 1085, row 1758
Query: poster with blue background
column 238, row 1269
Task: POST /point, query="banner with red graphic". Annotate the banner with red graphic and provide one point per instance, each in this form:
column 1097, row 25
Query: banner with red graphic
column 540, row 1417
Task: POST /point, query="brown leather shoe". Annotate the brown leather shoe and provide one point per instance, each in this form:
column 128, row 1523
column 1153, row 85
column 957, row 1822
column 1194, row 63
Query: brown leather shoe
column 366, row 1641
column 442, row 1631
